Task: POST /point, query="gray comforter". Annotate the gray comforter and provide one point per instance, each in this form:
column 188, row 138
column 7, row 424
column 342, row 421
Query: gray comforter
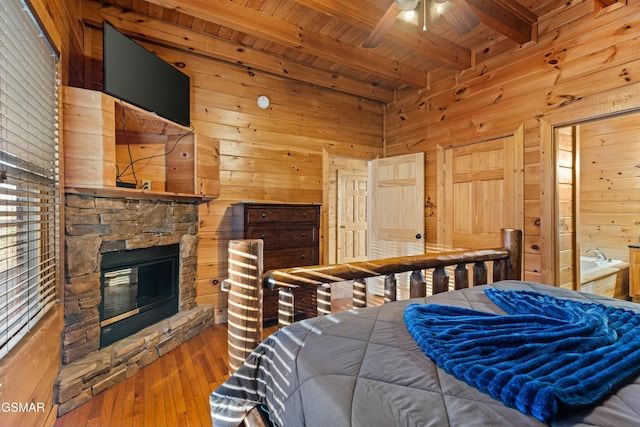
column 363, row 368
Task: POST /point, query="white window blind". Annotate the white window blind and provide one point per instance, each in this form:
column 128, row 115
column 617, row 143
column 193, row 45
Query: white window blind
column 29, row 181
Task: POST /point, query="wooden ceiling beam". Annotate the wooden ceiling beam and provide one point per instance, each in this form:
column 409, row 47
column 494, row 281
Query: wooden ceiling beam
column 359, row 13
column 138, row 25
column 506, row 17
column 249, row 21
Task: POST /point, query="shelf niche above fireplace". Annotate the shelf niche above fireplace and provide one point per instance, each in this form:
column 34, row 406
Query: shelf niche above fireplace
column 109, row 143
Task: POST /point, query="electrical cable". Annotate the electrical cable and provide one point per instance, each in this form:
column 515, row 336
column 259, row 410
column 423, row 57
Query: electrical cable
column 131, row 161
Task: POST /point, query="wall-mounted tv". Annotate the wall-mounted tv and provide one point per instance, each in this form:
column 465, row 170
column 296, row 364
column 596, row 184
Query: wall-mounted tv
column 136, row 75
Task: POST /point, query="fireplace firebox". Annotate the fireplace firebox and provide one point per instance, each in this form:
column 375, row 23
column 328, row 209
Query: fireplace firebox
column 139, row 288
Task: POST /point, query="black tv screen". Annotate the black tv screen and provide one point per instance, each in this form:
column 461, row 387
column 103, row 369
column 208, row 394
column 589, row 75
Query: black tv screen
column 136, row 75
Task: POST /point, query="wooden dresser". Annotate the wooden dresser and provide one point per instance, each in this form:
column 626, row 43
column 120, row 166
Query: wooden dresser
column 291, row 239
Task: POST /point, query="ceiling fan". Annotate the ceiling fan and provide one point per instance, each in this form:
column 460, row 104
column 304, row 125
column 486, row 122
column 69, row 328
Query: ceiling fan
column 458, row 14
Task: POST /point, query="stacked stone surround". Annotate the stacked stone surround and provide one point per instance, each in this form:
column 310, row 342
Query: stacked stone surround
column 95, row 225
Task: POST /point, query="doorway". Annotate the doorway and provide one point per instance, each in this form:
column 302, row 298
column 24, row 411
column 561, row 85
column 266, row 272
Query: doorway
column 357, row 188
column 345, row 201
column 598, row 198
column 351, row 231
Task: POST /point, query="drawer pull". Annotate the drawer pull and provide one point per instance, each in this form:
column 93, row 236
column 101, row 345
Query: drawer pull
column 303, row 234
column 304, row 214
column 262, row 237
column 264, row 214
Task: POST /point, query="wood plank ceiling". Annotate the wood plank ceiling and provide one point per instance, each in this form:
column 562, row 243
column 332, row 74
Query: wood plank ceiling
column 320, row 41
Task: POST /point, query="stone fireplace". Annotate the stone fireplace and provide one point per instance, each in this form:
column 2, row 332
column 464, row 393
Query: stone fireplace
column 98, row 227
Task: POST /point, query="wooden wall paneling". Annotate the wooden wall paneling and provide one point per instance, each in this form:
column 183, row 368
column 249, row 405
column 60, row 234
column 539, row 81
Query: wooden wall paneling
column 27, row 374
column 565, row 146
column 430, row 198
column 609, row 192
column 89, row 138
column 559, row 79
column 272, row 155
column 572, row 26
column 207, row 178
column 234, row 88
column 214, row 233
column 181, row 158
column 493, row 69
column 533, row 182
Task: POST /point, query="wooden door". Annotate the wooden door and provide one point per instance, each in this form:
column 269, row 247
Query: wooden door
column 480, row 194
column 396, row 211
column 352, row 217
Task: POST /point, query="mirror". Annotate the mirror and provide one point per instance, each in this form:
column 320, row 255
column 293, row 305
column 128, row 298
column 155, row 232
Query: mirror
column 598, row 203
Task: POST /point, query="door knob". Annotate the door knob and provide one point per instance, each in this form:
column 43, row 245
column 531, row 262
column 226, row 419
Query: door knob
column 418, row 236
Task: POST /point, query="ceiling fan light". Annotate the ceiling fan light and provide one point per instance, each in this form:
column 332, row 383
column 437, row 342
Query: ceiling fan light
column 406, row 5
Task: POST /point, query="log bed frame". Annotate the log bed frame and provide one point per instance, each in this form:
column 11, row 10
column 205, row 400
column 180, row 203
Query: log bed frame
column 246, row 281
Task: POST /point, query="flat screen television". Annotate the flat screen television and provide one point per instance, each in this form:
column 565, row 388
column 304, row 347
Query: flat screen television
column 136, row 75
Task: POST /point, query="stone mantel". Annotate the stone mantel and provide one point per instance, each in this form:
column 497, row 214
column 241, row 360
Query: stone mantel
column 132, row 194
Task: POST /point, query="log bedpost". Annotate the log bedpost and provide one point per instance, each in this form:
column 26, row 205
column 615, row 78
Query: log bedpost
column 440, row 280
column 512, row 241
column 480, row 273
column 286, row 307
column 323, row 299
column 461, row 276
column 359, row 293
column 417, row 284
column 390, row 287
column 499, row 270
column 244, row 286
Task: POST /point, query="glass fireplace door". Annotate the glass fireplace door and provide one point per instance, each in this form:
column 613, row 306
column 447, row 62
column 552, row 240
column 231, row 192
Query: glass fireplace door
column 139, row 288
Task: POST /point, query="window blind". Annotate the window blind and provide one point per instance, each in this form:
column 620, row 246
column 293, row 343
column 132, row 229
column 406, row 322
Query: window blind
column 29, row 174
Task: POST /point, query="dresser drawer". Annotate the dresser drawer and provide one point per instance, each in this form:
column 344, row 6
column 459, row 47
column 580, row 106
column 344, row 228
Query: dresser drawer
column 287, row 236
column 289, row 257
column 286, row 214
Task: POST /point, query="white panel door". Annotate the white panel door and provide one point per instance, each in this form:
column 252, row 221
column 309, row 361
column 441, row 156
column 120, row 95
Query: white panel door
column 396, row 212
column 352, row 217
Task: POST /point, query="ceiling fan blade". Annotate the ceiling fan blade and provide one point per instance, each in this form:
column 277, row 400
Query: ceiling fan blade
column 382, row 27
column 461, row 17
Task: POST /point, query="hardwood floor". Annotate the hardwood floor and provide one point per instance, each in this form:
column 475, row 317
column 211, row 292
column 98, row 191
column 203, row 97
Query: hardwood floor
column 172, row 391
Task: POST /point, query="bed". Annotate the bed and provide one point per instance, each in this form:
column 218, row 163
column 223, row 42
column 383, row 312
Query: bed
column 364, row 367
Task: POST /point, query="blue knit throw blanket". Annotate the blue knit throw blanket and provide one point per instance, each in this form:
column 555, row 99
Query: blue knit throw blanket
column 548, row 353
